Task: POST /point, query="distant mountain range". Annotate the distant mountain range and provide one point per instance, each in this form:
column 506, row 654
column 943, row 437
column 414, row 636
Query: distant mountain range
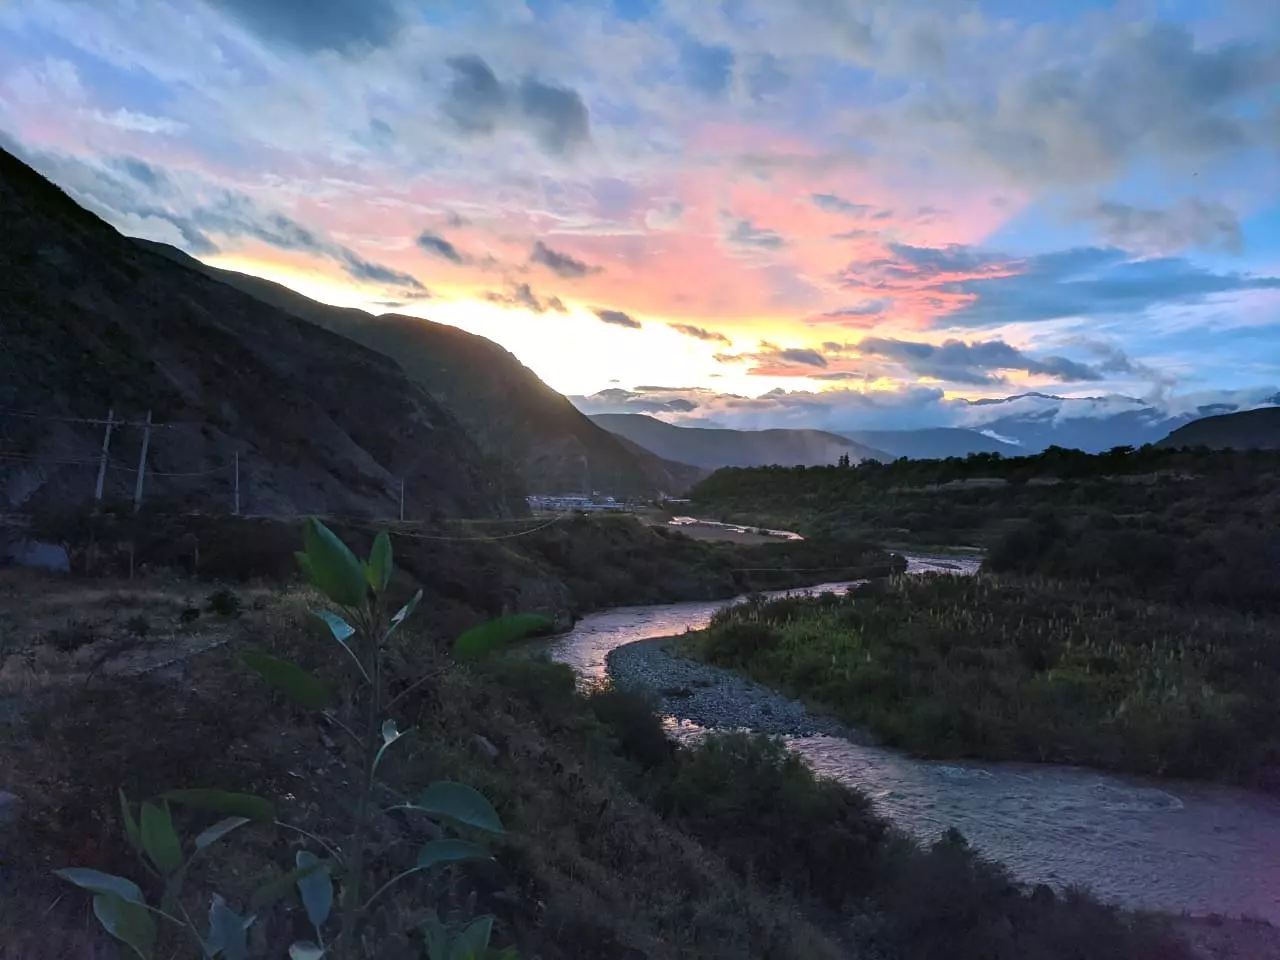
column 511, row 413
column 91, row 320
column 1034, row 421
column 933, row 443
column 710, row 448
column 1248, row 430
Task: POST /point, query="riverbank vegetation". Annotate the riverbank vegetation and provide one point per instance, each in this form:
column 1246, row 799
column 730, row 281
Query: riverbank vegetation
column 1019, row 668
column 617, row 844
column 1179, row 526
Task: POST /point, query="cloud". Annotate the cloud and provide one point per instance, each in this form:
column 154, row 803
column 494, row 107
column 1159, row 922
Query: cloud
column 1089, row 281
column 976, row 363
column 480, row 104
column 561, row 264
column 440, row 247
column 1207, row 224
column 522, row 295
column 865, row 314
column 772, row 360
column 862, row 211
column 617, row 318
column 1112, row 360
column 1148, row 90
column 130, row 192
column 311, row 25
column 744, row 233
column 699, row 333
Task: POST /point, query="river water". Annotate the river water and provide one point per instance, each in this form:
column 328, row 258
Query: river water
column 1165, row 845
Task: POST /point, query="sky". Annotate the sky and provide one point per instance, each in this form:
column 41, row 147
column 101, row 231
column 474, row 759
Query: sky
column 853, row 213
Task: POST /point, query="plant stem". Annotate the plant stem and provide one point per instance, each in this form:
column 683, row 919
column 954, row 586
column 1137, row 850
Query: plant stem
column 351, row 904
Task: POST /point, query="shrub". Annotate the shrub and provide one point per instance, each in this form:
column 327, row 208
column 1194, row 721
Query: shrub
column 758, row 805
column 631, row 718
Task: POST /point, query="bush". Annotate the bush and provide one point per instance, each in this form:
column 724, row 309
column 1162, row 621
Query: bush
column 633, row 721
column 738, row 642
column 760, row 807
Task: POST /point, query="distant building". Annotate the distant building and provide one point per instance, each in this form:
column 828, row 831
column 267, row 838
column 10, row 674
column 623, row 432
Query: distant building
column 569, row 502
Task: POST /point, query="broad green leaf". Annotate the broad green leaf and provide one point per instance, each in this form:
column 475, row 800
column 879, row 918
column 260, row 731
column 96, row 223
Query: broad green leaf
column 228, row 804
column 159, row 839
column 228, row 931
column 304, row 564
column 402, row 615
column 95, row 881
column 127, row 921
column 333, row 568
column 304, row 950
column 485, row 638
column 304, row 687
column 461, row 804
column 130, row 824
column 219, row 830
column 316, row 887
column 378, row 570
column 340, row 629
column 279, row 886
column 473, row 942
column 449, row 851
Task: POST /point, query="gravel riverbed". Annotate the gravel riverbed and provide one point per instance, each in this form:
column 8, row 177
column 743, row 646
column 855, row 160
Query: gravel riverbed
column 713, row 697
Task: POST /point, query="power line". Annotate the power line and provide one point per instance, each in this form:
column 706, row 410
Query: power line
column 22, row 414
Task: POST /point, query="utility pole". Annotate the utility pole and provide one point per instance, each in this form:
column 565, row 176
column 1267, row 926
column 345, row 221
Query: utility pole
column 237, row 458
column 102, row 463
column 402, row 499
column 142, row 464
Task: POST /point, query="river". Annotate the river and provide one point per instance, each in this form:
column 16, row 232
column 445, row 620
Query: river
column 1165, row 845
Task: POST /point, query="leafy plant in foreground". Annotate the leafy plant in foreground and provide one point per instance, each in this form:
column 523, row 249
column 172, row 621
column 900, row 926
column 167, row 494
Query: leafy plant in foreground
column 334, row 889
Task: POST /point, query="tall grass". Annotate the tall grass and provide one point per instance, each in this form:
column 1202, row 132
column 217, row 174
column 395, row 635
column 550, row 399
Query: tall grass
column 1025, row 669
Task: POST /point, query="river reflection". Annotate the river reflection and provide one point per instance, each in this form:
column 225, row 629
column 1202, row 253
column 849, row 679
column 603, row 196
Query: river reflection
column 1161, row 845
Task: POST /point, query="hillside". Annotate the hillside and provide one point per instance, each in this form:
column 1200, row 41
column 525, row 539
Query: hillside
column 1248, row 430
column 509, row 411
column 934, row 443
column 92, row 321
column 711, row 449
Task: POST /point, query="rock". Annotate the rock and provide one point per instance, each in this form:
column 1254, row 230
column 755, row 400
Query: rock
column 485, row 745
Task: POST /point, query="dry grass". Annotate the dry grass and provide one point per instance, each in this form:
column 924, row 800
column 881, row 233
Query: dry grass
column 587, row 870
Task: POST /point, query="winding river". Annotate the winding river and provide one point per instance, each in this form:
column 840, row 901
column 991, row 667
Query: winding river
column 1165, row 845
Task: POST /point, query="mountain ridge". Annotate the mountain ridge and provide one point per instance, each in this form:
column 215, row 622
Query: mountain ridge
column 1257, row 429
column 508, row 409
column 92, row 321
column 710, row 448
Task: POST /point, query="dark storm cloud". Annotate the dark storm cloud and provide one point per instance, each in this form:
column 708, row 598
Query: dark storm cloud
column 561, row 264
column 698, row 333
column 976, row 363
column 440, row 247
column 342, row 25
column 479, row 103
column 618, row 318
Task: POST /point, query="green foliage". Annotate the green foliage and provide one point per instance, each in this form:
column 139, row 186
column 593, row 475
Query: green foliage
column 1178, row 526
column 1017, row 669
column 762, row 808
column 487, row 638
column 305, row 688
column 359, row 587
column 631, row 719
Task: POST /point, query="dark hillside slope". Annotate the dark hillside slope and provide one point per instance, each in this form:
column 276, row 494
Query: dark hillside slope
column 1247, row 430
column 92, row 321
column 509, row 411
column 711, row 449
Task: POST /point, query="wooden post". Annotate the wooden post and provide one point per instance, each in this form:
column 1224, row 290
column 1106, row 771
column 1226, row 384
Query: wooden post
column 402, row 499
column 142, row 465
column 102, row 463
column 237, row 483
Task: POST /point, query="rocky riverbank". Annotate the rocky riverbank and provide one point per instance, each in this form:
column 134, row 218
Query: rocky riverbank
column 712, row 696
